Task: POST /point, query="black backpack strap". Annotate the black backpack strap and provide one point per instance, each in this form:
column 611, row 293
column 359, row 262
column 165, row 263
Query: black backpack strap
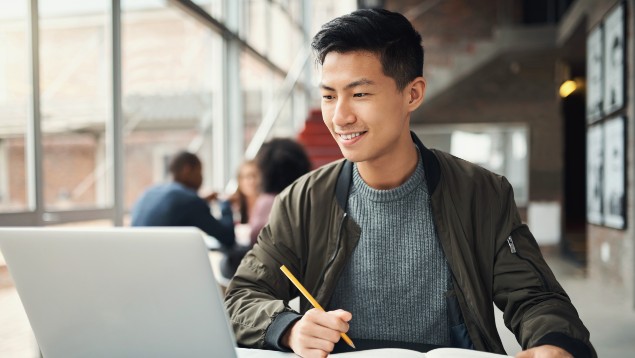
column 343, row 186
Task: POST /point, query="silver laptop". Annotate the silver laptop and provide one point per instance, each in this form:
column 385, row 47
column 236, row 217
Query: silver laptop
column 118, row 292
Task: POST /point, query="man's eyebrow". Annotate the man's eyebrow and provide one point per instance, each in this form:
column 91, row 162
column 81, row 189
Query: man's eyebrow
column 325, row 87
column 361, row 82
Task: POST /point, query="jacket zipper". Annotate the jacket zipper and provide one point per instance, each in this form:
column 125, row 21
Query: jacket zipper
column 474, row 320
column 513, row 250
column 337, row 249
column 510, row 242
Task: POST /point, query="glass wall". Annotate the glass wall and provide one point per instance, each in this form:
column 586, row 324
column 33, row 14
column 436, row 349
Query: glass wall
column 283, row 53
column 213, row 7
column 15, row 94
column 255, row 16
column 257, row 92
column 284, row 126
column 75, row 96
column 172, row 92
column 182, row 66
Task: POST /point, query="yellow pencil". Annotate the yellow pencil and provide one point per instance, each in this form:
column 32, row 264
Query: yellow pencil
column 308, row 296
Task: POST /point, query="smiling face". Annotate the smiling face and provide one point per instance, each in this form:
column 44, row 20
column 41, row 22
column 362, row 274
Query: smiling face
column 367, row 114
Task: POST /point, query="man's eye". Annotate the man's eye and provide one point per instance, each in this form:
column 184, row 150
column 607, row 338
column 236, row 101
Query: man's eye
column 327, row 97
column 360, row 95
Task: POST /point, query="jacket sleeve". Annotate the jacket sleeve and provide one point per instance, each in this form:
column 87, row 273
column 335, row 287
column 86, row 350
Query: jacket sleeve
column 536, row 308
column 257, row 298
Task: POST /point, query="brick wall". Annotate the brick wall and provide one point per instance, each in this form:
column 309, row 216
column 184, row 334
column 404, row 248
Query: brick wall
column 67, row 161
column 70, row 159
column 16, row 174
column 450, row 26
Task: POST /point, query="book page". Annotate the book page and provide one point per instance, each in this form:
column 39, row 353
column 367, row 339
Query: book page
column 381, row 353
column 378, row 353
column 371, row 353
column 460, row 353
column 406, row 353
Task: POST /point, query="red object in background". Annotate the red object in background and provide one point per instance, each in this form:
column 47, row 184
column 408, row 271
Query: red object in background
column 317, row 140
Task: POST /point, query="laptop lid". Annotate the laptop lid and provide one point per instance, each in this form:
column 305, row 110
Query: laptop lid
column 118, row 292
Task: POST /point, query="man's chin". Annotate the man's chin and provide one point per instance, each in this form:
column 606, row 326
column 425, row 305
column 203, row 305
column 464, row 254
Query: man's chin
column 353, row 157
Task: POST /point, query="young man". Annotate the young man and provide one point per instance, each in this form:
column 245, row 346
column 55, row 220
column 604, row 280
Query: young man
column 178, row 204
column 397, row 241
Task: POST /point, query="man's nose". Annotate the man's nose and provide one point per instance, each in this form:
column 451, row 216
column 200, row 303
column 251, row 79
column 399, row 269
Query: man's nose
column 343, row 114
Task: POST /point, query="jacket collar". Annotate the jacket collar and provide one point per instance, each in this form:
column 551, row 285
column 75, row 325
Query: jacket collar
column 430, row 165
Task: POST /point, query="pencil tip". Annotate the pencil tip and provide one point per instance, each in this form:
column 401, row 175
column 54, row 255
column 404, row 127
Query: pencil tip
column 352, row 345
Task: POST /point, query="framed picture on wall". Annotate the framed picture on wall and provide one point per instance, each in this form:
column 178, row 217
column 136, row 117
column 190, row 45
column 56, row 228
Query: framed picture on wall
column 614, row 64
column 595, row 172
column 614, row 193
column 595, row 78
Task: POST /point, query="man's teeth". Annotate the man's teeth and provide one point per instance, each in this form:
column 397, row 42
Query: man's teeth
column 350, row 136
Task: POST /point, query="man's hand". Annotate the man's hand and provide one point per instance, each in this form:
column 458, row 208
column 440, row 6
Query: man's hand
column 316, row 333
column 210, row 197
column 545, row 351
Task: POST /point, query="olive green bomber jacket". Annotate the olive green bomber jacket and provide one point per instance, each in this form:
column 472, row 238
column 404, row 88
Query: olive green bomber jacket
column 492, row 256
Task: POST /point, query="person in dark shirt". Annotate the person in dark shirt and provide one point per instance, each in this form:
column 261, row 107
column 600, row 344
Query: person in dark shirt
column 178, row 204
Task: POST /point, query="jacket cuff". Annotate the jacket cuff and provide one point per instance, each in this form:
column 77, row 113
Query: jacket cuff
column 278, row 328
column 575, row 347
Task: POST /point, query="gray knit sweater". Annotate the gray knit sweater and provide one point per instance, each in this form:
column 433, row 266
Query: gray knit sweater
column 395, row 281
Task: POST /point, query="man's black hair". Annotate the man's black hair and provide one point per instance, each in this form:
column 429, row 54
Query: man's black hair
column 387, row 34
column 281, row 162
column 182, row 159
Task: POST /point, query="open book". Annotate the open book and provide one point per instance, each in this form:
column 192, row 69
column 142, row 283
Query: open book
column 379, row 353
column 406, row 353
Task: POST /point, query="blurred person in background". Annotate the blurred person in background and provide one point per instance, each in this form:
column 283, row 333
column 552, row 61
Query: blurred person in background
column 281, row 161
column 248, row 190
column 177, row 203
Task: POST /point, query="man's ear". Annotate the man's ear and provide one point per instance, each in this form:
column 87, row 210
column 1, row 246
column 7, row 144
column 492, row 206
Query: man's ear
column 416, row 92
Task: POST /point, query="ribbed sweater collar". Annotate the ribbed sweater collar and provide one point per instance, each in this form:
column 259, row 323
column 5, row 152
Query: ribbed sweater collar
column 416, row 179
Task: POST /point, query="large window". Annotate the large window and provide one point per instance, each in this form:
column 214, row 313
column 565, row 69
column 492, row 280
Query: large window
column 255, row 20
column 75, row 87
column 501, row 148
column 172, row 80
column 185, row 79
column 213, row 7
column 283, row 52
column 15, row 94
column 257, row 92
